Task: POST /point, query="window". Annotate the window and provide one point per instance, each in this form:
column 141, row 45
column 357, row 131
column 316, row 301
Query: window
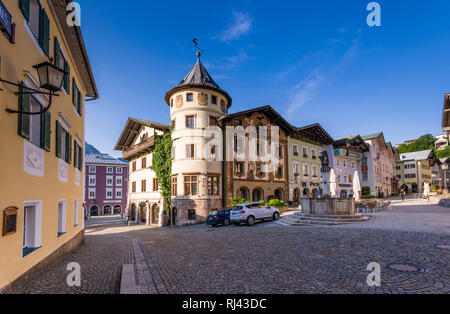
column 109, row 181
column 92, row 180
column 38, row 22
column 213, row 185
column 339, row 178
column 133, row 187
column 338, row 162
column 239, row 168
column 155, row 185
column 365, row 176
column 191, row 214
column 92, row 169
column 174, row 186
column 61, row 62
column 353, row 164
column 315, row 171
column 345, row 179
column 306, row 170
column 296, row 169
column 189, row 97
column 118, row 193
column 212, row 121
column 61, row 218
column 345, row 164
column 78, row 156
column 305, row 152
column 237, row 122
column 91, row 194
column 190, row 122
column 35, row 128
column 399, row 176
column 295, row 150
column 259, row 170
column 119, row 170
column 397, row 167
column 119, row 181
column 133, row 166
column 32, row 226
column 144, row 186
column 109, row 194
column 63, row 143
column 144, row 162
column 190, row 185
column 350, row 178
column 313, row 153
column 109, row 170
column 76, row 214
column 190, row 151
column 280, row 171
column 77, row 98
column 410, row 166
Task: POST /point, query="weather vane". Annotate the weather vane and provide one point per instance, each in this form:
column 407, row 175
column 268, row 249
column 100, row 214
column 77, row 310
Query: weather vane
column 195, row 41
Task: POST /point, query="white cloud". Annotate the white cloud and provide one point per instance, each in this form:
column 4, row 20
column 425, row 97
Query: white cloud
column 241, row 25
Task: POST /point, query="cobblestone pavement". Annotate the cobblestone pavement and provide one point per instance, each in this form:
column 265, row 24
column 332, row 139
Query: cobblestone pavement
column 269, row 258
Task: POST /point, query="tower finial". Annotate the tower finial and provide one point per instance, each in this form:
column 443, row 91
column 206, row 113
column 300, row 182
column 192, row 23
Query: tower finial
column 198, row 54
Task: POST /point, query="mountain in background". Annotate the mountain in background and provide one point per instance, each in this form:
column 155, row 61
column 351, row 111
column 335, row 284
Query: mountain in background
column 91, row 149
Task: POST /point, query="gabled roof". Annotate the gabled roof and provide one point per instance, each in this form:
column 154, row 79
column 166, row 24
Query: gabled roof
column 355, row 140
column 103, row 159
column 131, row 130
column 274, row 116
column 316, row 132
column 422, row 155
column 198, row 77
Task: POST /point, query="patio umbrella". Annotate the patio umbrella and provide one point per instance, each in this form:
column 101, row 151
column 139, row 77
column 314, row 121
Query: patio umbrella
column 426, row 189
column 333, row 184
column 356, row 186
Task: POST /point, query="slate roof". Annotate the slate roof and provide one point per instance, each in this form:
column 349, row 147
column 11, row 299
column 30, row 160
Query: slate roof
column 422, row 155
column 198, row 77
column 103, row 159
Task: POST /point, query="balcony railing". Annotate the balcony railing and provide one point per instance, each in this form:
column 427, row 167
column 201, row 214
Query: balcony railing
column 138, row 149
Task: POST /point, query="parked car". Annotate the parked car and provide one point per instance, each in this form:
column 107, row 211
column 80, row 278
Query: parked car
column 219, row 217
column 250, row 212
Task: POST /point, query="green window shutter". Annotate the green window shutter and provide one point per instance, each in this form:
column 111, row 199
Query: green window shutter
column 75, row 154
column 56, row 53
column 44, row 33
column 58, row 140
column 24, row 119
column 73, row 91
column 80, row 103
column 68, row 148
column 67, row 77
column 80, row 159
column 25, row 8
column 46, row 130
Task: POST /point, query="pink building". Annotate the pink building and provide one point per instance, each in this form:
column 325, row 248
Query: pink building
column 106, row 185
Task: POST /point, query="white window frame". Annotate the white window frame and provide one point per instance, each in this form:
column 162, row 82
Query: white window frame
column 121, row 180
column 109, row 178
column 36, row 231
column 119, row 170
column 92, row 169
column 95, row 181
column 109, row 170
column 89, row 193
column 109, row 190
column 121, row 194
column 62, row 217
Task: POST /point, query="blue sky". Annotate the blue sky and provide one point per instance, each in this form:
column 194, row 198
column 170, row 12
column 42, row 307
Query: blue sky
column 313, row 61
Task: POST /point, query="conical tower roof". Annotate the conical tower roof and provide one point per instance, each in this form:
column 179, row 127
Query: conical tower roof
column 198, row 77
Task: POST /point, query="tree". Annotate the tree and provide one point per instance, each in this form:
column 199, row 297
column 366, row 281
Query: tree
column 162, row 164
column 444, row 153
column 422, row 143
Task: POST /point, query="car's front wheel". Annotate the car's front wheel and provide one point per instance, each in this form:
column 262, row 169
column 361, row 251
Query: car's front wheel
column 276, row 216
column 226, row 222
column 250, row 220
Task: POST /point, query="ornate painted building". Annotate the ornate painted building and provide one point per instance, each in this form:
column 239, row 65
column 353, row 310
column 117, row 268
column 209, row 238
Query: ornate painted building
column 136, row 142
column 304, row 148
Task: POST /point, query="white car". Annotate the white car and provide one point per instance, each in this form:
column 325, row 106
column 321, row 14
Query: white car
column 250, row 212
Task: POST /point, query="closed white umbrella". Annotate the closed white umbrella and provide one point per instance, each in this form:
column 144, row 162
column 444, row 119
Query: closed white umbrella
column 333, row 184
column 426, row 189
column 356, row 186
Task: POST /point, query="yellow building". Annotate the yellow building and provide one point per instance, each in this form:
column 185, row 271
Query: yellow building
column 41, row 173
column 304, row 148
column 414, row 169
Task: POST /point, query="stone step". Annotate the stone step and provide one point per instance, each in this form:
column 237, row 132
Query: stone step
column 302, row 220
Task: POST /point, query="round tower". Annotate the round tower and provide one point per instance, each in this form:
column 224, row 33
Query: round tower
column 196, row 104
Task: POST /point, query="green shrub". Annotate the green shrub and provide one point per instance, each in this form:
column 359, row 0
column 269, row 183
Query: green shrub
column 433, row 189
column 276, row 203
column 236, row 201
column 368, row 196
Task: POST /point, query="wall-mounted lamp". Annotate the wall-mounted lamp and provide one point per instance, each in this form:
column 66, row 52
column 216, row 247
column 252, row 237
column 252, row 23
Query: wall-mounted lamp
column 50, row 78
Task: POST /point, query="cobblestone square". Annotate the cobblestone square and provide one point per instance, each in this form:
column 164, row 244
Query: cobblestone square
column 269, row 258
